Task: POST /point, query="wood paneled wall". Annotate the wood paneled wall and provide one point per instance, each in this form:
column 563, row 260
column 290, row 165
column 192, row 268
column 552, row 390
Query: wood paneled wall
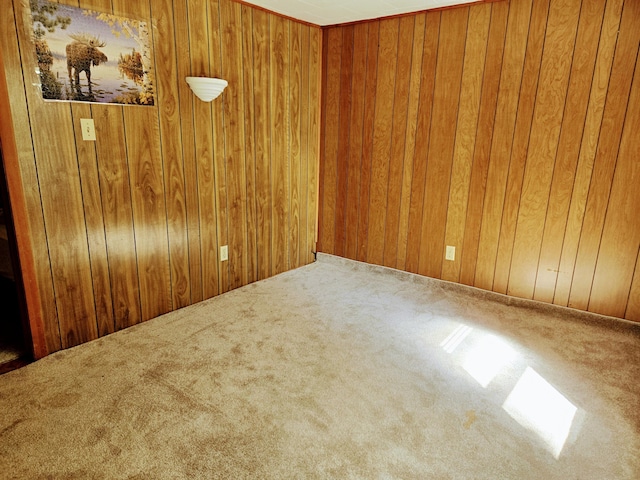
column 508, row 130
column 129, row 227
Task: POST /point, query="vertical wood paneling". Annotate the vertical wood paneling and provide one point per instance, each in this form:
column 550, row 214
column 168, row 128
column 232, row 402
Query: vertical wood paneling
column 398, row 139
column 183, row 58
column 234, row 141
column 521, row 135
column 26, row 163
column 294, row 144
column 543, row 144
column 92, row 202
column 219, row 146
column 130, row 226
column 502, row 138
column 453, row 31
column 167, row 80
column 329, row 167
column 429, row 55
column 61, row 200
column 410, row 139
column 148, row 201
column 621, row 234
column 304, row 246
column 356, row 121
column 568, row 147
column 346, row 68
column 606, row 155
column 249, row 145
column 367, row 140
column 590, row 135
column 466, row 127
column 204, row 150
column 313, row 176
column 279, row 83
column 484, row 135
column 118, row 216
column 382, row 130
column 518, row 157
column 263, row 140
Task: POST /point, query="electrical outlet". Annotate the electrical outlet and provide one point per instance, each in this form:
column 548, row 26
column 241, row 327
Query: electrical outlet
column 224, row 253
column 451, row 253
column 88, row 130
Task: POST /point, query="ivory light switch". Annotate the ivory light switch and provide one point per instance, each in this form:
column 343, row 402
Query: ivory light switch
column 88, row 130
column 450, row 253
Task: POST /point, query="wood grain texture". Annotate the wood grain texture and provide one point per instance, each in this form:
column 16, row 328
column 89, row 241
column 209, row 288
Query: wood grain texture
column 484, row 136
column 429, row 55
column 204, row 153
column 171, row 148
column 315, row 94
column 568, row 152
column 382, row 131
column 466, row 128
column 543, row 145
column 621, row 232
column 520, row 145
column 398, row 139
column 149, row 209
column 613, row 117
column 186, row 125
column 218, row 111
column 249, row 147
column 263, row 141
column 92, row 202
column 234, row 142
column 343, row 132
column 453, row 28
column 149, row 204
column 279, row 82
column 410, row 139
column 502, row 140
column 512, row 140
column 329, row 167
column 65, row 227
column 590, row 135
column 43, row 316
column 295, row 153
column 117, row 209
column 367, row 140
column 356, row 122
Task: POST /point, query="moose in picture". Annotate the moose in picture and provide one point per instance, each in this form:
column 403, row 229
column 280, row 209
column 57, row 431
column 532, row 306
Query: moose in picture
column 90, row 56
column 83, row 53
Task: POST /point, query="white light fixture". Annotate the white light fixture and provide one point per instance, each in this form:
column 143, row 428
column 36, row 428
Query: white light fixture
column 206, row 88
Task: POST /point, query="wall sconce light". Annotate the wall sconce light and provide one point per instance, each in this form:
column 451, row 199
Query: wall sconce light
column 206, row 88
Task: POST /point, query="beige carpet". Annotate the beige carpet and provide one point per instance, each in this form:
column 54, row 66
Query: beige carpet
column 335, row 370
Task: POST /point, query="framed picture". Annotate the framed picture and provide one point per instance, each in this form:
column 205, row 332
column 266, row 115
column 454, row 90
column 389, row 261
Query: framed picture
column 90, row 56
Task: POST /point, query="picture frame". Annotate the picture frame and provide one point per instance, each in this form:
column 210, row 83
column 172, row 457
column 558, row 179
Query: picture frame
column 90, row 56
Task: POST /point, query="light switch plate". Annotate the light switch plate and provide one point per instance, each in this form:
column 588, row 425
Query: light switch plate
column 88, row 130
column 224, row 253
column 450, row 253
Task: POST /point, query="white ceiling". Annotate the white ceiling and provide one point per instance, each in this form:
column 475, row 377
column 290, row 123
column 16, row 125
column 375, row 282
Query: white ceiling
column 332, row 12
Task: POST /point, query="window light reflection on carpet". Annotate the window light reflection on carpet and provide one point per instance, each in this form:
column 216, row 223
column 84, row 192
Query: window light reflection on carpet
column 536, row 405
column 487, row 359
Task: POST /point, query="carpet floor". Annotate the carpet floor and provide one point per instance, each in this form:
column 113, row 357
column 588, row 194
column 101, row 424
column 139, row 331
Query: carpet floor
column 335, row 370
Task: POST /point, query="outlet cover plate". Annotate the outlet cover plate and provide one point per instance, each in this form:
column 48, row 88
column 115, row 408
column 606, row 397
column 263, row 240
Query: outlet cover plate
column 451, row 253
column 224, row 253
